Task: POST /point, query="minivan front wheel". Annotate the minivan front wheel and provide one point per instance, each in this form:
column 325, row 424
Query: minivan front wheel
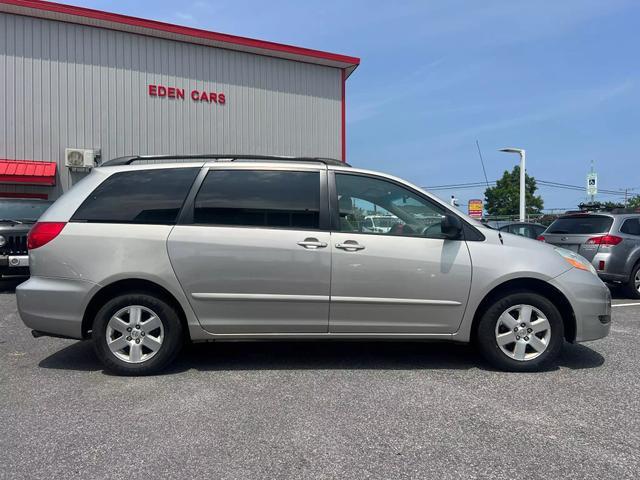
column 137, row 334
column 521, row 332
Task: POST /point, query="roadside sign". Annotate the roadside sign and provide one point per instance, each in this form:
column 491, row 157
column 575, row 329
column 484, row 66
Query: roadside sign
column 475, row 208
column 592, row 184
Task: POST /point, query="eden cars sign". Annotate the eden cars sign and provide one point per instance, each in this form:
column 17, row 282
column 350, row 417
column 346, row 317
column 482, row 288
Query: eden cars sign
column 164, row 91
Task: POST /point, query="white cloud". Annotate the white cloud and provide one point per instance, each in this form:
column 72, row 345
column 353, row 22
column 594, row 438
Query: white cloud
column 184, row 16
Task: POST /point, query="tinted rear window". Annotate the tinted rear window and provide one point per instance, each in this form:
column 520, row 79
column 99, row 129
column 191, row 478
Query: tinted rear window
column 586, row 224
column 276, row 199
column 141, row 196
column 631, row 226
column 23, row 210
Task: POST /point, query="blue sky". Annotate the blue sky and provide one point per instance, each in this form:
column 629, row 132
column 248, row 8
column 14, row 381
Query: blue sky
column 560, row 78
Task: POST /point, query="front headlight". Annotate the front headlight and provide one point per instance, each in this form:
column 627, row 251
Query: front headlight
column 575, row 260
column 3, row 241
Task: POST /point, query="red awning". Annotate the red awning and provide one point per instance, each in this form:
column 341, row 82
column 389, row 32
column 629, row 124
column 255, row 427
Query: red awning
column 27, row 172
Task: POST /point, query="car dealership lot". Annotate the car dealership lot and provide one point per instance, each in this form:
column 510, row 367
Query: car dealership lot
column 319, row 410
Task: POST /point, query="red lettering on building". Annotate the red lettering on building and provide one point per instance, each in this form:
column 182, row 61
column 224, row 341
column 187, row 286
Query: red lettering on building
column 164, row 91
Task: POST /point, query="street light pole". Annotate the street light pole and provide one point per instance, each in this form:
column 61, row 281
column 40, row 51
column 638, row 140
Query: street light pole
column 522, row 154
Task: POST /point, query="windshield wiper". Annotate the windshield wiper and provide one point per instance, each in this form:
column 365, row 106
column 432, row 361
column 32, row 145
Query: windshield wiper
column 9, row 220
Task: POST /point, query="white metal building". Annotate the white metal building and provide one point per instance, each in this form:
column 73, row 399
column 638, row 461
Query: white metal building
column 73, row 77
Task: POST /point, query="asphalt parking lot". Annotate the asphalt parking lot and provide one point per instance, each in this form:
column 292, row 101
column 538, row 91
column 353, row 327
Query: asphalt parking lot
column 319, row 410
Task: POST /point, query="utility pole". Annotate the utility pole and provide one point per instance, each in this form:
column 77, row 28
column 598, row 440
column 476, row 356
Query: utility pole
column 592, row 196
column 592, row 184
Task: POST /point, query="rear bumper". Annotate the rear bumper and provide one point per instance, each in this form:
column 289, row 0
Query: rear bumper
column 615, row 267
column 591, row 303
column 54, row 306
column 613, row 277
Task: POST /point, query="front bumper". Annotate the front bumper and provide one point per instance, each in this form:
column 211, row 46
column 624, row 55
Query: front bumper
column 14, row 265
column 54, row 305
column 591, row 303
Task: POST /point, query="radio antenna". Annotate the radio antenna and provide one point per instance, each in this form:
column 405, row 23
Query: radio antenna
column 482, row 163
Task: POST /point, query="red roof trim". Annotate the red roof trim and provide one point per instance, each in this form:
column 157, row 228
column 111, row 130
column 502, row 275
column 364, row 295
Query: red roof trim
column 27, row 172
column 343, row 112
column 177, row 29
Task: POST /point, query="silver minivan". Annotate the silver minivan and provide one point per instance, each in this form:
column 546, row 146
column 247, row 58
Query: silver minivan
column 146, row 253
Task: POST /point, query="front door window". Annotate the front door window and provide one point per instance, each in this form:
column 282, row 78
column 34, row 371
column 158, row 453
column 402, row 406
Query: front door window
column 371, row 205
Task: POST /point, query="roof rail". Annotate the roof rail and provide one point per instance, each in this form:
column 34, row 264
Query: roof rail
column 231, row 157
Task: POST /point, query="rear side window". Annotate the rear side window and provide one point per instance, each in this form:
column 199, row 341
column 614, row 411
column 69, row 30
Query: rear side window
column 631, row 226
column 584, row 224
column 141, row 196
column 257, row 198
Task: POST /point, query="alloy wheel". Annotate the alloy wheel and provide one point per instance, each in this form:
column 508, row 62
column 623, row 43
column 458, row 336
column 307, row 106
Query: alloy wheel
column 523, row 332
column 637, row 281
column 135, row 334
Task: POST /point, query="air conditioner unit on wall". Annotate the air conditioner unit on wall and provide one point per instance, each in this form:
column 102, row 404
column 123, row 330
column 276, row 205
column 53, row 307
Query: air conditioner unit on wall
column 80, row 158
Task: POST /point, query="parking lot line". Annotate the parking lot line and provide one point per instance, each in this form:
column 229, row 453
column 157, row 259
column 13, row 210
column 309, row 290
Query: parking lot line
column 625, row 304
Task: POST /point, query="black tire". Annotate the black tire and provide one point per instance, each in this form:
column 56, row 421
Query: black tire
column 486, row 333
column 630, row 288
column 167, row 352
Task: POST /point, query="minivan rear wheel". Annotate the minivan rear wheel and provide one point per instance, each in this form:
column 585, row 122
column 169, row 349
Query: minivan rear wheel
column 521, row 332
column 137, row 334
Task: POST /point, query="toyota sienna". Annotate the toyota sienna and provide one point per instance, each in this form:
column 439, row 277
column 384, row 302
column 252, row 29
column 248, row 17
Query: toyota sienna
column 146, row 253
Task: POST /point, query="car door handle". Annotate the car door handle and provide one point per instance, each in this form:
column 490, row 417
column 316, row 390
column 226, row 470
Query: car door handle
column 312, row 243
column 350, row 246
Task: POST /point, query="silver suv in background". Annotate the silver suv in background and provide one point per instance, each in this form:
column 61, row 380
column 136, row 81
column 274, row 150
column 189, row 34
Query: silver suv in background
column 610, row 241
column 142, row 257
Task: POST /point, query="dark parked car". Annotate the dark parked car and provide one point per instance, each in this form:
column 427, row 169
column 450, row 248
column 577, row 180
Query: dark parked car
column 610, row 241
column 524, row 229
column 17, row 216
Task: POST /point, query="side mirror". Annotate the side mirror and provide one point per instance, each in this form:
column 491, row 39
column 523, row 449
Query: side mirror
column 451, row 226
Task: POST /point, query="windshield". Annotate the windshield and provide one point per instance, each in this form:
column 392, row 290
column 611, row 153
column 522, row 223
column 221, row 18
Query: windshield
column 583, row 224
column 22, row 210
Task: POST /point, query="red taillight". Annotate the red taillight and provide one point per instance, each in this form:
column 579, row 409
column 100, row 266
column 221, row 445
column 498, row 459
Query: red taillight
column 42, row 233
column 541, row 238
column 606, row 240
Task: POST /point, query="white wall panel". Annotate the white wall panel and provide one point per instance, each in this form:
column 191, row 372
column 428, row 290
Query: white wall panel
column 66, row 85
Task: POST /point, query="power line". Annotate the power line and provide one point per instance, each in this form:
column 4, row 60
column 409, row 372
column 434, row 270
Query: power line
column 577, row 187
column 541, row 183
column 459, row 186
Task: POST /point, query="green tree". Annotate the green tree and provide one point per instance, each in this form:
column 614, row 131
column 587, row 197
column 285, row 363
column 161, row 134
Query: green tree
column 634, row 202
column 504, row 198
column 611, row 205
